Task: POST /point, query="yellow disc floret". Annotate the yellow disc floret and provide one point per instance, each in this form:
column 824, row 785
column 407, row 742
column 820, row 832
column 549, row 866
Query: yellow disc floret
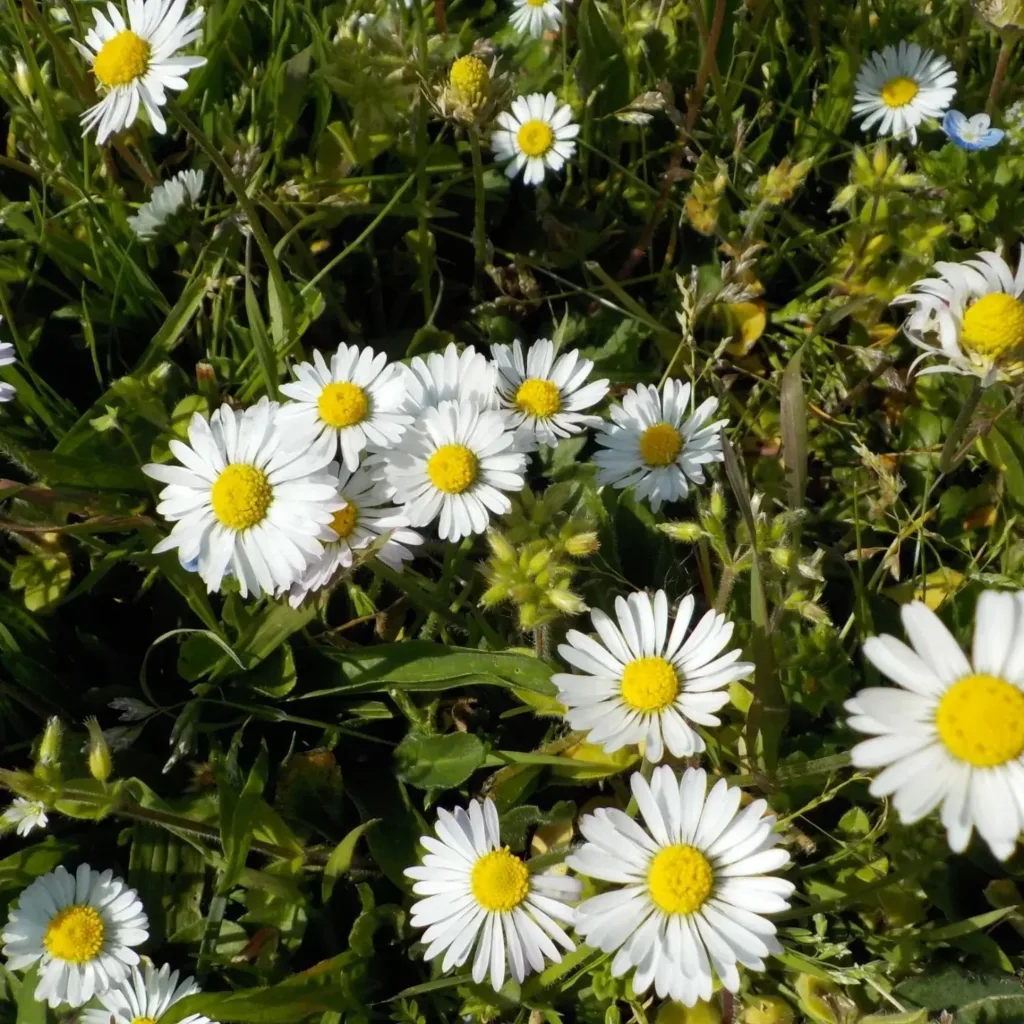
column 536, row 3
column 660, row 445
column 649, row 684
column 122, row 59
column 469, row 80
column 453, row 468
column 343, row 404
column 540, row 398
column 680, row 879
column 994, row 326
column 535, row 137
column 898, row 92
column 241, row 496
column 143, row 1020
column 500, row 880
column 981, row 720
column 75, row 934
column 344, row 520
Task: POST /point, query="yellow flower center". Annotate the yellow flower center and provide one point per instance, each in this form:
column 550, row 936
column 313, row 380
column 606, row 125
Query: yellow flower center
column 660, row 445
column 535, row 137
column 122, row 59
column 540, row 398
column 898, row 92
column 469, row 79
column 144, row 1020
column 241, row 496
column 344, row 520
column 75, row 935
column 536, row 3
column 649, row 684
column 680, row 879
column 343, row 404
column 500, row 880
column 994, row 325
column 981, row 720
column 453, row 468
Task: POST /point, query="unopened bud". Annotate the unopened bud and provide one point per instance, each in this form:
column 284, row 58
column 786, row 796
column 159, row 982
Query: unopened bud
column 700, row 1013
column 582, row 544
column 500, row 546
column 717, row 503
column 685, row 532
column 767, row 1010
column 49, row 745
column 101, row 764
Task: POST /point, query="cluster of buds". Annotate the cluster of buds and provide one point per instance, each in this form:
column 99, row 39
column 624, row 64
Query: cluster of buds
column 473, row 90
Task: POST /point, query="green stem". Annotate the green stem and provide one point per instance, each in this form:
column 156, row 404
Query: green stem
column 950, row 458
column 479, row 207
column 1009, row 40
column 422, row 143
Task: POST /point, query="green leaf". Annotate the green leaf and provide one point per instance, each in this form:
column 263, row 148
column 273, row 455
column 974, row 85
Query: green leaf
column 341, row 858
column 910, row 1017
column 45, row 579
column 793, row 416
column 265, row 354
column 30, row 1009
column 395, row 847
column 168, row 875
column 602, row 63
column 951, row 988
column 237, row 821
column 278, row 1004
column 439, row 762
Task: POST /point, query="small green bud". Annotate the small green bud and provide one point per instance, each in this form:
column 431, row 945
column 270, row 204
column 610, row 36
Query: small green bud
column 717, row 502
column 700, row 1013
column 767, row 1010
column 49, row 745
column 582, row 544
column 503, row 551
column 566, row 601
column 494, row 595
column 101, row 764
column 539, row 562
column 685, row 532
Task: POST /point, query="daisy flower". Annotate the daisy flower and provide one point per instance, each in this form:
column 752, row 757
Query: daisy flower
column 168, row 200
column 545, row 395
column 7, row 358
column 971, row 133
column 953, row 734
column 535, row 17
column 653, row 446
column 144, row 996
column 82, row 930
column 972, row 315
column 691, row 886
column 24, row 815
column 453, row 466
column 245, row 502
column 135, row 62
column 449, row 376
column 901, row 86
column 367, row 517
column 534, row 136
column 644, row 684
column 477, row 893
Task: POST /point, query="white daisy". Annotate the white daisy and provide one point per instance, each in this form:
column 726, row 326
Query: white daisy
column 454, row 464
column 24, row 815
column 136, row 61
column 643, row 684
column 535, row 17
column 545, row 395
column 534, row 135
column 367, row 517
column 81, row 928
column 449, row 376
column 691, row 888
column 141, row 997
column 478, row 893
column 972, row 315
column 954, row 733
column 357, row 400
column 7, row 358
column 901, row 86
column 168, row 200
column 245, row 501
column 653, row 446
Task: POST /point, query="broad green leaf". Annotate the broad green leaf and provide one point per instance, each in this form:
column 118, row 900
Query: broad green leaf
column 382, row 795
column 341, row 858
column 30, row 1009
column 438, row 762
column 169, row 876
column 601, row 68
column 950, row 988
column 793, row 417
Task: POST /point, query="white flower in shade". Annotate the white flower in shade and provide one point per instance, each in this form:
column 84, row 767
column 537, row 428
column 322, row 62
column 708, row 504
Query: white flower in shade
column 953, row 734
column 535, row 17
column 691, row 885
column 168, row 200
column 645, row 684
column 545, row 394
column 534, row 136
column 367, row 518
column 477, row 893
column 652, row 445
column 24, row 815
column 80, row 928
column 135, row 62
column 901, row 86
column 7, row 358
column 144, row 996
column 454, row 466
column 449, row 376
column 245, row 502
column 971, row 316
column 356, row 400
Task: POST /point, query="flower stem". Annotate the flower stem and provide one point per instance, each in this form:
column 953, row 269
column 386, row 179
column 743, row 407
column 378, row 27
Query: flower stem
column 1003, row 62
column 422, row 145
column 951, row 457
column 479, row 207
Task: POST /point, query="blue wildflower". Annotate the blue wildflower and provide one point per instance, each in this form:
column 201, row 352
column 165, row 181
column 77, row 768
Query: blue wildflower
column 971, row 133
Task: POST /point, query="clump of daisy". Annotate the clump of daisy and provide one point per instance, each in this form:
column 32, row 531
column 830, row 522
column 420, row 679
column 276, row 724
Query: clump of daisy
column 971, row 316
column 135, row 62
column 455, row 465
column 545, row 394
column 168, row 200
column 953, row 733
column 449, row 376
column 690, row 885
column 480, row 899
column 355, row 401
column 653, row 446
column 643, row 683
column 81, row 929
column 246, row 503
column 535, row 17
column 901, row 86
column 144, row 996
column 535, row 136
column 24, row 816
column 7, row 358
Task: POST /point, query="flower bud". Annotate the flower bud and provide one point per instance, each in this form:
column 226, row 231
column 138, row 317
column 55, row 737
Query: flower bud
column 49, row 745
column 700, row 1013
column 767, row 1010
column 582, row 544
column 101, row 764
column 685, row 532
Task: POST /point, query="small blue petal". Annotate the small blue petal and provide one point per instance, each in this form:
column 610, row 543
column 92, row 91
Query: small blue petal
column 971, row 134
